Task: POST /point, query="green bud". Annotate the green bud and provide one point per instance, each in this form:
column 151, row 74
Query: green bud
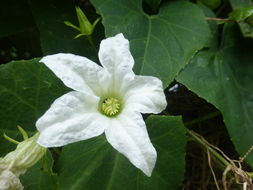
column 27, row 153
column 85, row 27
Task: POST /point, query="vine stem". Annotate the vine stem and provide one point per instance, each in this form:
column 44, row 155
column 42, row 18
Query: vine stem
column 219, row 19
column 205, row 144
column 210, row 149
column 197, row 138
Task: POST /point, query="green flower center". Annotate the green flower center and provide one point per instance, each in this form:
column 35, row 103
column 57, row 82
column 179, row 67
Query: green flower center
column 111, row 107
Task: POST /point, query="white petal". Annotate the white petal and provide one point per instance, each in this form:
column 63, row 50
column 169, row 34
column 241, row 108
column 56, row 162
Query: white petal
column 115, row 56
column 145, row 94
column 128, row 134
column 78, row 73
column 72, row 117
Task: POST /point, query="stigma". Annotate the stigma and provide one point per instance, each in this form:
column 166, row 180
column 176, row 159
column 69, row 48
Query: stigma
column 111, row 107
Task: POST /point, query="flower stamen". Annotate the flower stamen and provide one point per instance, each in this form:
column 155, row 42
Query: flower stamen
column 110, row 106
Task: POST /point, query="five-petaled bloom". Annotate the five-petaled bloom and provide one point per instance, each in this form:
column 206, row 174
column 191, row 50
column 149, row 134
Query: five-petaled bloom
column 106, row 99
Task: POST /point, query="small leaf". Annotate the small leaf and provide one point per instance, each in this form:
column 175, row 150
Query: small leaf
column 242, row 13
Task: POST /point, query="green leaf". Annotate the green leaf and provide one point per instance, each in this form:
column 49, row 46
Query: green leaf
column 223, row 76
column 27, row 89
column 243, row 15
column 40, row 177
column 15, row 16
column 161, row 44
column 55, row 36
column 94, row 164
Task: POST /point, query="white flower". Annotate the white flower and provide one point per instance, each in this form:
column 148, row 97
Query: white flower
column 9, row 181
column 106, row 99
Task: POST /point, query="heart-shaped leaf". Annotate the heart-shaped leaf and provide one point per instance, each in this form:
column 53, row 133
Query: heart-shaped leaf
column 161, row 44
column 223, row 76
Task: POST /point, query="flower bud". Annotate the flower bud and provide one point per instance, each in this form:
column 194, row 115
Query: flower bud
column 27, row 153
column 85, row 27
column 9, row 181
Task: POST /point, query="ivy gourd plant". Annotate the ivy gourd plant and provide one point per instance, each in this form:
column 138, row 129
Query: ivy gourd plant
column 126, row 95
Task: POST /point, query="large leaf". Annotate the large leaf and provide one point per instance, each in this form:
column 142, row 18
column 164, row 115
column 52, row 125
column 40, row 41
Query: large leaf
column 223, row 76
column 27, row 88
column 161, row 44
column 94, row 164
column 55, row 36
